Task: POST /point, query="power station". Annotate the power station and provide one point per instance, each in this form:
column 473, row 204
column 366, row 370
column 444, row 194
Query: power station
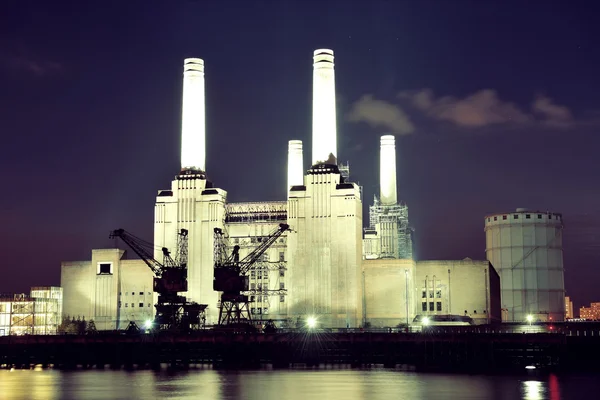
column 326, row 267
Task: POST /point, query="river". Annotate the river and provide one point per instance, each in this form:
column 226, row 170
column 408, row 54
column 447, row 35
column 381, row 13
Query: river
column 335, row 383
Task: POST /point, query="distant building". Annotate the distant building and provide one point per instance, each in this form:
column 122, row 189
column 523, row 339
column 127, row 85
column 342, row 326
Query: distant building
column 108, row 289
column 591, row 313
column 38, row 313
column 568, row 308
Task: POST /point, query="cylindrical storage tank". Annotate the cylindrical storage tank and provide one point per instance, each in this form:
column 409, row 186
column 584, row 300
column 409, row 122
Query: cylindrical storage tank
column 525, row 247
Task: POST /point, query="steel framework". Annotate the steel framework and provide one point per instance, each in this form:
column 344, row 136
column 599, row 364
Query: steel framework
column 394, row 229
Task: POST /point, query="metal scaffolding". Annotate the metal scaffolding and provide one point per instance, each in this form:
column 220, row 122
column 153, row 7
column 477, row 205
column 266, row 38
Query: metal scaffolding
column 35, row 314
column 393, row 231
column 272, row 211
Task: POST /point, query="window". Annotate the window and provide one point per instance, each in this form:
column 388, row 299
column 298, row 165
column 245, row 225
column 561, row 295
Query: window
column 527, row 216
column 431, row 306
column 504, row 217
column 549, row 216
column 141, row 293
column 126, row 304
column 104, row 268
column 539, row 216
column 424, row 306
column 281, row 273
column 120, row 304
column 252, row 286
column 516, row 216
column 132, row 305
column 281, row 285
column 260, row 286
column 141, row 305
column 488, row 220
column 252, row 298
column 119, row 293
column 133, row 293
column 259, row 299
column 149, row 305
column 424, row 294
column 281, row 299
column 431, row 294
column 253, row 310
column 495, row 218
column 252, row 274
column 265, row 310
column 438, row 306
column 281, row 256
column 438, row 294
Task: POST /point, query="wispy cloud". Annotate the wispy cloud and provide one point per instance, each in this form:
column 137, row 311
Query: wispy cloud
column 480, row 109
column 25, row 62
column 379, row 113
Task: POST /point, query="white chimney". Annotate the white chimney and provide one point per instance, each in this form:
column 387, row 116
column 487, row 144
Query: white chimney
column 324, row 117
column 295, row 168
column 387, row 171
column 193, row 130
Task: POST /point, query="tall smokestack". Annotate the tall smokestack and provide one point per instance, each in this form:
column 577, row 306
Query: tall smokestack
column 387, row 171
column 324, row 144
column 295, row 168
column 193, row 130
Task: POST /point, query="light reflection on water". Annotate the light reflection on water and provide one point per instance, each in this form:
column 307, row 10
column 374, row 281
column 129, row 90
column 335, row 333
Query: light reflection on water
column 346, row 384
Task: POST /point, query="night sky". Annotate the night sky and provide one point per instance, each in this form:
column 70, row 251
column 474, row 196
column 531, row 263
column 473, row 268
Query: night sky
column 494, row 106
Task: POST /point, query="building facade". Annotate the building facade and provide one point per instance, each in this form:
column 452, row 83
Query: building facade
column 38, row 313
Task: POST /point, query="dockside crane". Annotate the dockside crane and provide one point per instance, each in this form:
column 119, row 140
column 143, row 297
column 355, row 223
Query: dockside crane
column 173, row 311
column 231, row 276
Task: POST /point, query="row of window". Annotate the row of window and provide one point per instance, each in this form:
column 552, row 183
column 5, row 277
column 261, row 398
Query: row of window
column 259, row 310
column 254, row 286
column 140, row 305
column 438, row 306
column 516, row 216
column 133, row 293
column 259, row 299
column 438, row 294
column 259, row 274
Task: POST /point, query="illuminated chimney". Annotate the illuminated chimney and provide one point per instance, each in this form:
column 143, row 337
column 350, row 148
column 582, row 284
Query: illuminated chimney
column 193, row 130
column 295, row 168
column 324, row 146
column 387, row 171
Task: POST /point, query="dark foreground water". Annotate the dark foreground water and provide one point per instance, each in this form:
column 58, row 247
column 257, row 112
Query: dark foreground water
column 344, row 384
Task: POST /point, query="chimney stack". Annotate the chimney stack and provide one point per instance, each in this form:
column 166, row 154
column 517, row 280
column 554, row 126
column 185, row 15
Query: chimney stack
column 387, row 171
column 193, row 130
column 324, row 146
column 295, row 168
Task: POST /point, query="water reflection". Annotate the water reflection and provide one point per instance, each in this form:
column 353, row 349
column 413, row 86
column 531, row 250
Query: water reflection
column 347, row 384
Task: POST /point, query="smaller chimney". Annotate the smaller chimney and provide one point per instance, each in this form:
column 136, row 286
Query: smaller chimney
column 295, row 168
column 387, row 171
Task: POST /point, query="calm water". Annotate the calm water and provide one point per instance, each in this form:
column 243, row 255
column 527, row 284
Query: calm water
column 345, row 384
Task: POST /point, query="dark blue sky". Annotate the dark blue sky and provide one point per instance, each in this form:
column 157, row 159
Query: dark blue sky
column 495, row 106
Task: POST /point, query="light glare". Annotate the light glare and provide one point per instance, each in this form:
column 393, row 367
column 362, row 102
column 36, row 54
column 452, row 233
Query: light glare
column 311, row 322
column 425, row 321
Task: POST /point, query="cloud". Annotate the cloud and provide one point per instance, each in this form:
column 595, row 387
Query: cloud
column 24, row 61
column 545, row 107
column 479, row 109
column 379, row 113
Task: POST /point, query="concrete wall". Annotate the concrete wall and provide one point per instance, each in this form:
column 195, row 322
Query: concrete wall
column 465, row 287
column 110, row 299
column 389, row 292
column 325, row 249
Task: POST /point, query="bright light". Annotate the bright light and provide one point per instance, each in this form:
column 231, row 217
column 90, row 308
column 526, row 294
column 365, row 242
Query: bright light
column 148, row 324
column 425, row 321
column 324, row 134
column 529, row 318
column 311, row 322
column 387, row 171
column 193, row 131
column 530, row 367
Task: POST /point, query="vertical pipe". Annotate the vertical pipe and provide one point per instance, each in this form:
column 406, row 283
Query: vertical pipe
column 324, row 132
column 193, row 130
column 387, row 171
column 449, row 290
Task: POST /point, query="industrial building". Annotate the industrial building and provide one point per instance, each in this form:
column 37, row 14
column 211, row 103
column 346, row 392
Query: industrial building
column 38, row 313
column 328, row 266
column 525, row 247
column 591, row 313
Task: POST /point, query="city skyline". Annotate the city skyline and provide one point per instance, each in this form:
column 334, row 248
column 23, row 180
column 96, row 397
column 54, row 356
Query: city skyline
column 94, row 130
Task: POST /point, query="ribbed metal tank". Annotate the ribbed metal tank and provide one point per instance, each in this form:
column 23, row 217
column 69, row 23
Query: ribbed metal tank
column 525, row 247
